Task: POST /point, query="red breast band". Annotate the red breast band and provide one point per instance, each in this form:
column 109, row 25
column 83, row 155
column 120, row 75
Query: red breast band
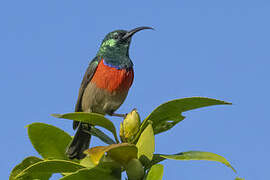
column 112, row 79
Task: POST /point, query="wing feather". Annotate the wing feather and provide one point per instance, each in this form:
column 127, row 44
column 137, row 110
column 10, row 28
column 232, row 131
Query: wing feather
column 90, row 71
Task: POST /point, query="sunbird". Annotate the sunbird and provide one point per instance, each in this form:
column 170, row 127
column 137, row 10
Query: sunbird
column 105, row 85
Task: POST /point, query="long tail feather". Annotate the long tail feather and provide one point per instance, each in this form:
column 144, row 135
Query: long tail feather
column 80, row 142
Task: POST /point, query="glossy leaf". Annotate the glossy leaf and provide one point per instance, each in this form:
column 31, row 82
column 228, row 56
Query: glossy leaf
column 23, row 165
column 109, row 163
column 96, row 153
column 95, row 173
column 35, row 177
column 199, row 155
column 49, row 141
column 121, row 153
column 50, row 167
column 167, row 115
column 102, row 136
column 146, row 144
column 91, row 118
column 238, row 178
column 87, row 162
column 155, row 173
column 156, row 159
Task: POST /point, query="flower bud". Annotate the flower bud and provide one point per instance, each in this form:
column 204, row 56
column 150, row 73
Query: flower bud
column 134, row 169
column 130, row 126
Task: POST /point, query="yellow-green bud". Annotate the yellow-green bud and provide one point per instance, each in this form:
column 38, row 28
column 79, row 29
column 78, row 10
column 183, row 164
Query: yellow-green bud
column 130, row 126
column 135, row 170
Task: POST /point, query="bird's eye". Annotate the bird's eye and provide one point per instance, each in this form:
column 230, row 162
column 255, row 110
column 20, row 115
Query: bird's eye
column 115, row 36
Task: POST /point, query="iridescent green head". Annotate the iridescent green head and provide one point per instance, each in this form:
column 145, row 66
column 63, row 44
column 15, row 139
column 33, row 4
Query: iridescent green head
column 115, row 47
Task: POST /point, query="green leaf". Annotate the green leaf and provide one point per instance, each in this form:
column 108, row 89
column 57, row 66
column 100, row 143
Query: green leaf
column 49, row 141
column 146, row 144
column 155, row 173
column 91, row 118
column 50, row 167
column 23, row 165
column 87, row 162
column 238, row 178
column 101, row 135
column 199, row 155
column 156, row 159
column 121, row 153
column 93, row 173
column 167, row 115
column 108, row 163
column 35, row 177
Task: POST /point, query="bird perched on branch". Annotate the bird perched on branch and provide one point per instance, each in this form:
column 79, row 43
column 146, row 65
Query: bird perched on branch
column 104, row 86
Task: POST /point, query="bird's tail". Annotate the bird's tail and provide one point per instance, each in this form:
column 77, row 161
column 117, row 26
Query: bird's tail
column 80, row 142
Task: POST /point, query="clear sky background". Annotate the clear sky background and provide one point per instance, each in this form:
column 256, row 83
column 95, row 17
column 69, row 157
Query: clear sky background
column 217, row 49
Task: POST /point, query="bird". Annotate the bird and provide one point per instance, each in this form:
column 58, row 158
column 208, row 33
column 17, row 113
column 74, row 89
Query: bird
column 105, row 85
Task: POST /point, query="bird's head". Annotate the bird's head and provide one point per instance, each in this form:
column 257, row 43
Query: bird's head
column 117, row 43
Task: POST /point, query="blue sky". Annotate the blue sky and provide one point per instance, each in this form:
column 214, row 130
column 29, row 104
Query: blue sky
column 217, row 49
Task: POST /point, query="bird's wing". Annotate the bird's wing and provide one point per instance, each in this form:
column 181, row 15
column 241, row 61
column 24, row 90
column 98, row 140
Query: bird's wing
column 90, row 71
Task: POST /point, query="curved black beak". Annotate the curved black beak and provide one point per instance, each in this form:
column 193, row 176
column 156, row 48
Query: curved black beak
column 133, row 31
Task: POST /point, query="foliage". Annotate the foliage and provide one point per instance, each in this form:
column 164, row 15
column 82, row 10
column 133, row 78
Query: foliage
column 134, row 155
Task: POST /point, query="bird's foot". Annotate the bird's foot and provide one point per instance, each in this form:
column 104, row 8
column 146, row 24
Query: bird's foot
column 118, row 115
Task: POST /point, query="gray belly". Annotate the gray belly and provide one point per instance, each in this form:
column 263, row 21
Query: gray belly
column 101, row 101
